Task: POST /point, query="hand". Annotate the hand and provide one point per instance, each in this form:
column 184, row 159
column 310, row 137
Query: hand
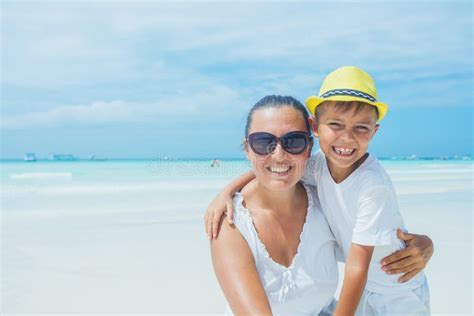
column 215, row 211
column 410, row 260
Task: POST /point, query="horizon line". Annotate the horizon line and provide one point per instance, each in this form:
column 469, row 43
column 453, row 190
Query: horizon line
column 173, row 159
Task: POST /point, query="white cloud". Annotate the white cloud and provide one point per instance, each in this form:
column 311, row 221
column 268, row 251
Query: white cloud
column 97, row 112
column 216, row 102
column 171, row 49
column 67, row 37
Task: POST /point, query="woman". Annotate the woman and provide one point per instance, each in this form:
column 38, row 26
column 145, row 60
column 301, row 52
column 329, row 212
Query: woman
column 280, row 256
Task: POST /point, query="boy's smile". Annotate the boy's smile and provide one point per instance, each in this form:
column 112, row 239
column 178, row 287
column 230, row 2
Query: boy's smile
column 344, row 137
column 343, row 152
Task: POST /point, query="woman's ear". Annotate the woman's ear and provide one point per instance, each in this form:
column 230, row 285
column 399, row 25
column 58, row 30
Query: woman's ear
column 245, row 147
column 313, row 122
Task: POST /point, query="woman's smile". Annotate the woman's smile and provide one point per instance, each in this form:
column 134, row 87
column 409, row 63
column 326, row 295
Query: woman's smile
column 280, row 170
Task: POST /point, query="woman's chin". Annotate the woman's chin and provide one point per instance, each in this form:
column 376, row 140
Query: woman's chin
column 279, row 183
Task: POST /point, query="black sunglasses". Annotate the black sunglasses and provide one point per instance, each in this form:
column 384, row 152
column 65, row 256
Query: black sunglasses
column 265, row 143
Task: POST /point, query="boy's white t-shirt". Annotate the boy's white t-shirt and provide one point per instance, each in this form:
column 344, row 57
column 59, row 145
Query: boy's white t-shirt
column 363, row 209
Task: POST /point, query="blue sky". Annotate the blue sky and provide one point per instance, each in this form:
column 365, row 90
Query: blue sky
column 154, row 79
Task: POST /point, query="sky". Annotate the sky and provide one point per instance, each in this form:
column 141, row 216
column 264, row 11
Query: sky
column 177, row 79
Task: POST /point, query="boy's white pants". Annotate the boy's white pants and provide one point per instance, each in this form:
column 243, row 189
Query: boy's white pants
column 416, row 302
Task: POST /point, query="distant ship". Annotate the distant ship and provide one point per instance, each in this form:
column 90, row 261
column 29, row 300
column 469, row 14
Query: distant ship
column 29, row 157
column 95, row 158
column 62, row 157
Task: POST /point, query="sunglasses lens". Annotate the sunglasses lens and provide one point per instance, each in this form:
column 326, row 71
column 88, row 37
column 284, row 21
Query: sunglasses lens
column 295, row 143
column 265, row 143
column 262, row 143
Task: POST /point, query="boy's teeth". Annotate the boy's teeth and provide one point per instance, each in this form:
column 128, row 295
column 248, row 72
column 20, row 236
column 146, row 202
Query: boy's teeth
column 344, row 151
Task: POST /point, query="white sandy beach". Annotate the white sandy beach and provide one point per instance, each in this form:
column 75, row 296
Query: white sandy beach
column 121, row 238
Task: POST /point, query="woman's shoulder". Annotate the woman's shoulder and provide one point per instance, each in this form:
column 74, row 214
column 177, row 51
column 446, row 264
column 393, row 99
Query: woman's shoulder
column 242, row 218
column 240, row 211
column 241, row 228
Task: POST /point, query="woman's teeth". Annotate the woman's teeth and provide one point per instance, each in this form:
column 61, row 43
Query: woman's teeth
column 344, row 151
column 279, row 170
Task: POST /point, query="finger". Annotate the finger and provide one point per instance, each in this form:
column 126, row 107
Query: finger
column 205, row 224
column 408, row 276
column 230, row 212
column 404, row 270
column 404, row 236
column 215, row 224
column 209, row 227
column 398, row 255
column 400, row 264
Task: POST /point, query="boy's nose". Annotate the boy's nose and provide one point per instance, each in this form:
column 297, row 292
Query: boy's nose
column 347, row 134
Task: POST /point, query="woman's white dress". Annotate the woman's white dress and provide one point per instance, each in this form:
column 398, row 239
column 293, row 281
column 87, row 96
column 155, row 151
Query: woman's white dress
column 309, row 283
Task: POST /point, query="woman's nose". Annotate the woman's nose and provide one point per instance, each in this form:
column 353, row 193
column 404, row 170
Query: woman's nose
column 278, row 152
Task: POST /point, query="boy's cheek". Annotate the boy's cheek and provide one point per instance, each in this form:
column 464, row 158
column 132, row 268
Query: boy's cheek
column 326, row 134
column 365, row 139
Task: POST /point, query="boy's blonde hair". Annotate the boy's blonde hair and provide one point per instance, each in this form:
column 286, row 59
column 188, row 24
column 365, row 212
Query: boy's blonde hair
column 344, row 106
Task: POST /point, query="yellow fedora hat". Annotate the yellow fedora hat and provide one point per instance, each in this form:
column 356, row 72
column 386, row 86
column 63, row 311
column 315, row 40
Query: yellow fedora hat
column 348, row 83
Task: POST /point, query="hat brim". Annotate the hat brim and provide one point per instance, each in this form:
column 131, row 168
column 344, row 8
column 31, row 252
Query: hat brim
column 313, row 101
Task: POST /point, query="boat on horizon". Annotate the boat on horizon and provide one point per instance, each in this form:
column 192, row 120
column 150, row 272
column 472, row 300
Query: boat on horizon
column 62, row 157
column 96, row 158
column 29, row 157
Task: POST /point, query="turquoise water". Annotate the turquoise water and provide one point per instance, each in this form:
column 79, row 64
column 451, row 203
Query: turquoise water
column 121, row 172
column 109, row 171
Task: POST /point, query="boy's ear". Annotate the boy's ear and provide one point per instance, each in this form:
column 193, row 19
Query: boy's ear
column 376, row 128
column 313, row 122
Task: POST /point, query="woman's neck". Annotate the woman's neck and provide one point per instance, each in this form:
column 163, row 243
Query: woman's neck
column 282, row 203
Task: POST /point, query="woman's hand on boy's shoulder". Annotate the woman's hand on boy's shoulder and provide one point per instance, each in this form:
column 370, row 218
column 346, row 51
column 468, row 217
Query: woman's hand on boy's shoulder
column 411, row 260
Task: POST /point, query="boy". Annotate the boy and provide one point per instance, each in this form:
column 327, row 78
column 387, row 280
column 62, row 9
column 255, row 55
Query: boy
column 358, row 198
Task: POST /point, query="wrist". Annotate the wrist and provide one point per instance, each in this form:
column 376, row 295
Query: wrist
column 226, row 193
